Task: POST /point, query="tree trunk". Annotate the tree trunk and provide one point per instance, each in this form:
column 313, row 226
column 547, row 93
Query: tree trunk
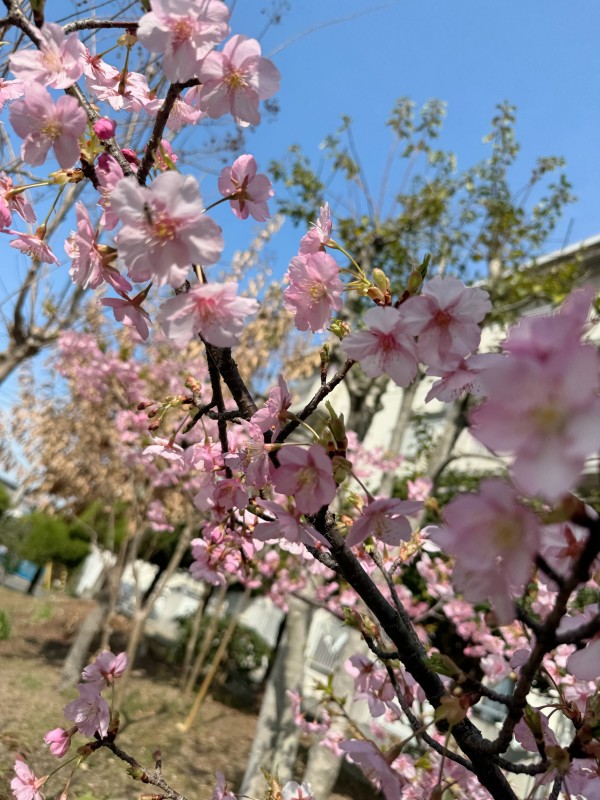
column 276, row 739
column 206, row 642
column 143, row 611
column 323, row 766
column 79, row 650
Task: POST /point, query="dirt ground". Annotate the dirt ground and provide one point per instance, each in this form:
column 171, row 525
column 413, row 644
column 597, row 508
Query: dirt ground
column 30, row 662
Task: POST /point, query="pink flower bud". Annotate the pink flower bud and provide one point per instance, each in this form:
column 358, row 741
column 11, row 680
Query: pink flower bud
column 105, row 128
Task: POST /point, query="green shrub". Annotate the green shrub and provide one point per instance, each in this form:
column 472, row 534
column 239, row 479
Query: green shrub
column 4, row 626
column 245, row 653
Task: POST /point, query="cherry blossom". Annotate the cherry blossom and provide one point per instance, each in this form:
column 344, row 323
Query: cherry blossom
column 460, row 378
column 221, row 792
column 11, row 199
column 133, row 95
column 318, row 235
column 445, row 317
column 25, row 786
column 91, row 264
column 542, row 405
column 307, row 475
column 105, row 668
column 10, row 90
column 249, row 192
column 274, row 415
column 59, row 740
column 235, row 80
column 288, row 525
column 129, row 313
column 494, row 539
column 109, row 174
column 213, row 310
column 58, row 62
column 386, row 347
column 43, row 124
column 293, row 790
column 315, row 289
column 185, row 32
column 384, row 519
column 165, row 229
column 31, row 245
column 90, row 712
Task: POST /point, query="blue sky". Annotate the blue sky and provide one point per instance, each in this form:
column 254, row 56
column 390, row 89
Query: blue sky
column 358, row 56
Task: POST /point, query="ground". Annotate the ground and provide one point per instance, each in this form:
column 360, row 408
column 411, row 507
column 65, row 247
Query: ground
column 30, row 662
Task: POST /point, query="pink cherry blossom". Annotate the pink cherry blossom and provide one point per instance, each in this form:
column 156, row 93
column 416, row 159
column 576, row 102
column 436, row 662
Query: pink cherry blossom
column 445, row 317
column 235, row 80
column 134, row 96
column 165, row 230
column 315, row 289
column 90, row 267
column 106, row 667
column 182, row 113
column 494, row 540
column 288, row 525
column 43, row 124
column 10, row 90
column 58, row 62
column 307, row 475
column 25, row 786
column 585, row 664
column 249, row 191
column 460, row 378
column 167, row 449
column 31, row 245
column 109, row 174
column 10, row 202
column 274, row 416
column 543, row 406
column 419, row 489
column 221, row 792
column 385, row 347
column 385, row 520
column 318, row 235
column 206, row 558
column 90, row 712
column 59, row 740
column 185, row 32
column 293, row 790
column 213, row 310
column 165, row 156
column 129, row 313
column 371, row 760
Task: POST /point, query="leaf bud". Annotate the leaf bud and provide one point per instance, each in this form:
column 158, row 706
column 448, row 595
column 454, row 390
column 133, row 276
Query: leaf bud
column 339, row 328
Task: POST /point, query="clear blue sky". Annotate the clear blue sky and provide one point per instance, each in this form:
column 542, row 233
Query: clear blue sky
column 541, row 55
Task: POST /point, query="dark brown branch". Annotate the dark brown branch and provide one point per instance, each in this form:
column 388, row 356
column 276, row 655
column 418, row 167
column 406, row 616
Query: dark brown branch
column 160, row 123
column 312, row 405
column 154, row 778
column 417, row 726
column 546, row 639
column 398, row 627
column 89, row 23
column 228, row 370
column 549, row 571
column 585, row 631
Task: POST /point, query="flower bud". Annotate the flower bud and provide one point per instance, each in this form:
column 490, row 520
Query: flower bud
column 105, row 128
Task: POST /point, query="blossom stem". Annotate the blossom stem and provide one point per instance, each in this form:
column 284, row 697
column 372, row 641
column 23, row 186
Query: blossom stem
column 53, row 206
column 232, row 196
column 335, row 246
